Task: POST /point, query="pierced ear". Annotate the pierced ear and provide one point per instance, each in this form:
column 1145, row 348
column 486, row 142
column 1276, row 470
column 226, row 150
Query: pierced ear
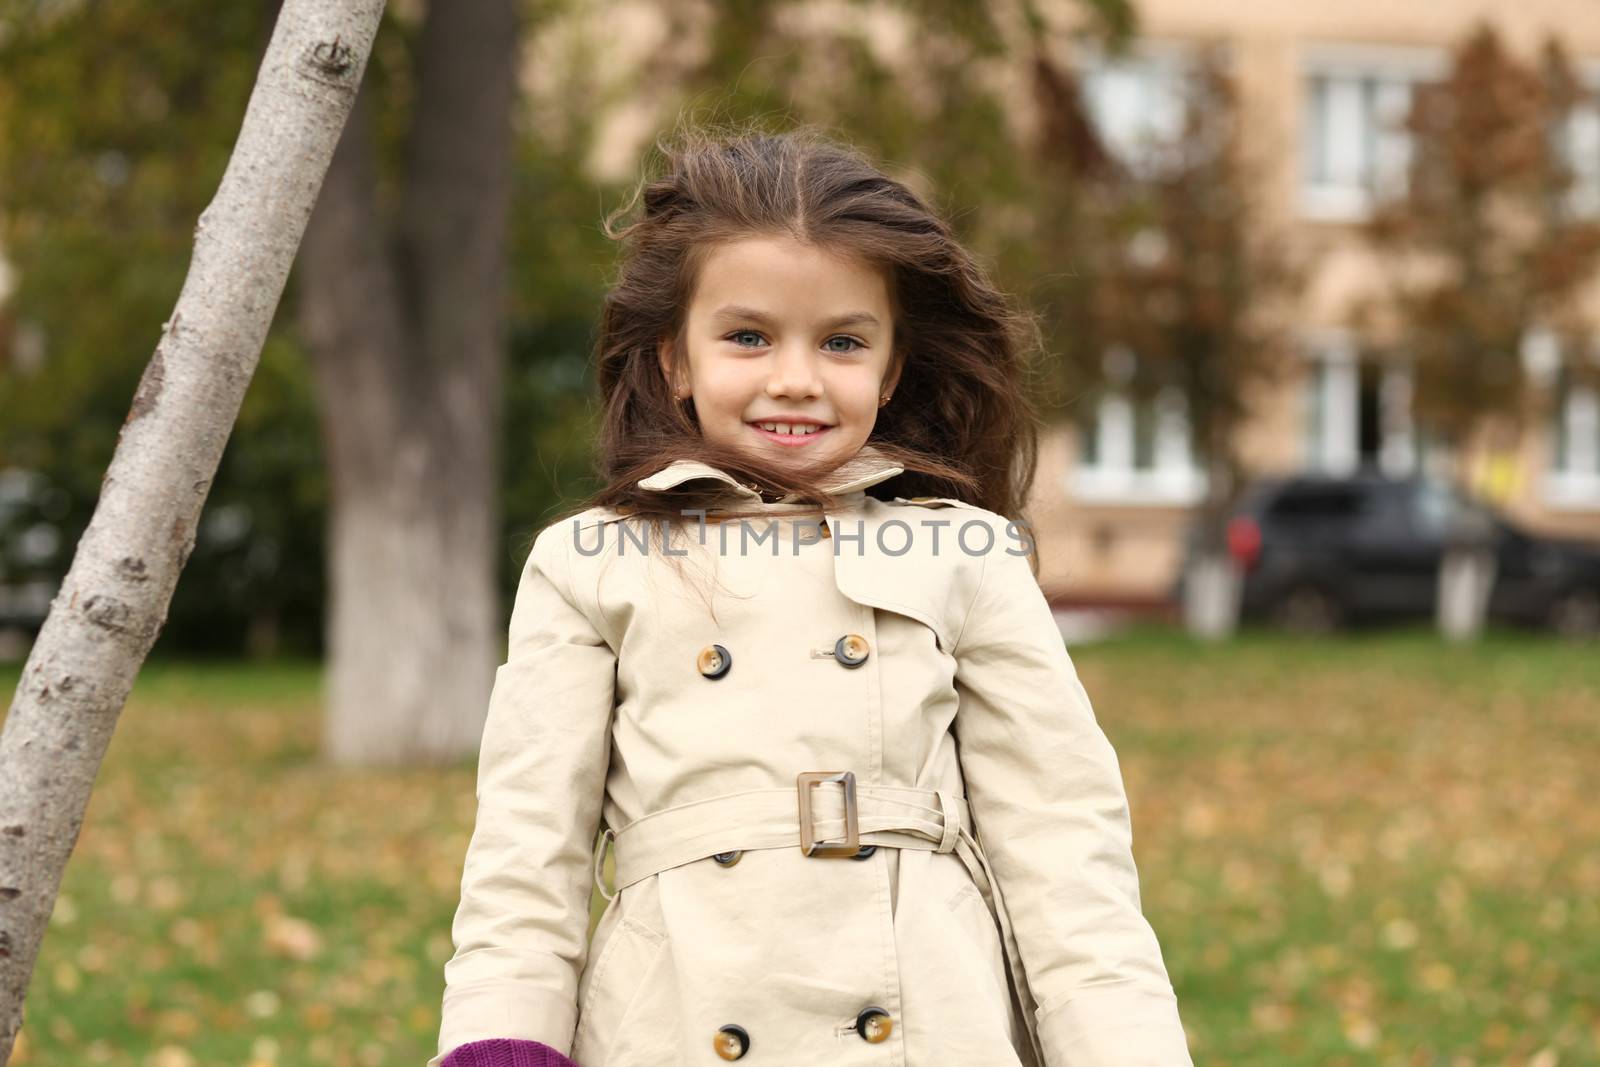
column 665, row 361
column 668, row 371
column 893, row 378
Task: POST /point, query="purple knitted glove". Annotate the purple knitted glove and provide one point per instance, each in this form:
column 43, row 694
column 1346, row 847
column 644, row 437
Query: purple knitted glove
column 505, row 1052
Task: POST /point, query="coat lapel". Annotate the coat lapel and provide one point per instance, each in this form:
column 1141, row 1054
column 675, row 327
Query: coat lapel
column 925, row 581
column 916, row 583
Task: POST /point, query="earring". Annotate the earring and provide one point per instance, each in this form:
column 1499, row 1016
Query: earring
column 882, row 400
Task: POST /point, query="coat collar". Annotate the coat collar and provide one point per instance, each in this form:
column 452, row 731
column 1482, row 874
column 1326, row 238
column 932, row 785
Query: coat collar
column 866, row 468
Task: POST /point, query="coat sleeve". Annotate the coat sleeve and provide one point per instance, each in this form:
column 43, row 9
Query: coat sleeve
column 521, row 927
column 1047, row 796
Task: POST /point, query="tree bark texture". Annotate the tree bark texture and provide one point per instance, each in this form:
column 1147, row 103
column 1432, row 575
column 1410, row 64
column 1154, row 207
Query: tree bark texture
column 404, row 314
column 114, row 600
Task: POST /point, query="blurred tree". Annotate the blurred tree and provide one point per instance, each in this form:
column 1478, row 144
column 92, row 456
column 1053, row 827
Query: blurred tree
column 98, row 192
column 1483, row 243
column 559, row 271
column 1484, row 247
column 1076, row 174
column 101, row 181
column 113, row 602
column 1195, row 283
column 403, row 307
column 1184, row 278
column 938, row 88
column 255, row 580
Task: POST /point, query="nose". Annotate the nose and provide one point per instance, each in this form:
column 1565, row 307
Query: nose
column 793, row 372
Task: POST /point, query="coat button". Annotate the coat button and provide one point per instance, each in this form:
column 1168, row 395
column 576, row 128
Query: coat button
column 714, row 661
column 874, row 1024
column 864, row 851
column 731, row 1042
column 728, row 859
column 850, row 650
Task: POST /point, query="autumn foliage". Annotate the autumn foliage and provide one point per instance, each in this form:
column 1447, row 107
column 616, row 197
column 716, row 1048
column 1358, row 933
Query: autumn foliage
column 1487, row 240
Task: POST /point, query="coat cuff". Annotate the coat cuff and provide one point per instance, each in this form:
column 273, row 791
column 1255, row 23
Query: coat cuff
column 505, row 1010
column 1121, row 1025
column 505, row 1052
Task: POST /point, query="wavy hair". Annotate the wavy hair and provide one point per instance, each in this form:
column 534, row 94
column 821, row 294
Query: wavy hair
column 960, row 420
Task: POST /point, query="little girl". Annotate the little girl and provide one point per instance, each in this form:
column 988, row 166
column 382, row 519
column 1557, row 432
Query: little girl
column 859, row 805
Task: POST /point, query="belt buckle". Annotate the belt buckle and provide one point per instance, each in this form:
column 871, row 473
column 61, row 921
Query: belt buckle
column 808, row 840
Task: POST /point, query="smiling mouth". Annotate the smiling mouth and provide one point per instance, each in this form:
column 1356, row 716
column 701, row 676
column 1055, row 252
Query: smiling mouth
column 798, row 433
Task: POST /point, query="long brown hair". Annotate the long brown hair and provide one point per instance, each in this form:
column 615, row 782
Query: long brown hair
column 960, row 421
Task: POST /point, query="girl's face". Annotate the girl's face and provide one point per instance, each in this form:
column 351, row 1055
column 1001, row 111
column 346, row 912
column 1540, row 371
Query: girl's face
column 787, row 350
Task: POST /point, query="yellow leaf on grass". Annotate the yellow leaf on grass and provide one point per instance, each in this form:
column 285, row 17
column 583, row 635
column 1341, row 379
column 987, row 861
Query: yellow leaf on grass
column 170, row 1056
column 296, row 938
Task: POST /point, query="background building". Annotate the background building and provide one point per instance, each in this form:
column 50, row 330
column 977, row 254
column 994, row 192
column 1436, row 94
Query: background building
column 1325, row 90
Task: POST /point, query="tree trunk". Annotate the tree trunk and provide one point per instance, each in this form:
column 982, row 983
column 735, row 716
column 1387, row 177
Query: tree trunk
column 405, row 322
column 1466, row 581
column 114, row 600
column 1468, row 562
column 1211, row 596
column 1212, row 580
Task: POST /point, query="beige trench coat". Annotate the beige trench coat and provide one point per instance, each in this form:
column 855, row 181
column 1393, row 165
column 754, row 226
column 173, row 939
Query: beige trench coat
column 996, row 922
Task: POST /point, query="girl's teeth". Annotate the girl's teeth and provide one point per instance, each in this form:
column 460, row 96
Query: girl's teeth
column 786, row 428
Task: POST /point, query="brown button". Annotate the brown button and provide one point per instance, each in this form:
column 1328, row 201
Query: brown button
column 811, row 532
column 874, row 1024
column 850, row 650
column 731, row 1042
column 714, row 661
column 728, row 859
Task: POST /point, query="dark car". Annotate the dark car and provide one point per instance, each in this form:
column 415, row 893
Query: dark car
column 1318, row 551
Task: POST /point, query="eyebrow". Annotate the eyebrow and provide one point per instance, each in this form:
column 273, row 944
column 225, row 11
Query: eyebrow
column 739, row 311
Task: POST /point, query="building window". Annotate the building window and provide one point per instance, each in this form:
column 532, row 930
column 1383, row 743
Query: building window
column 1133, row 451
column 1137, row 101
column 1572, row 479
column 1355, row 412
column 1578, row 141
column 1354, row 146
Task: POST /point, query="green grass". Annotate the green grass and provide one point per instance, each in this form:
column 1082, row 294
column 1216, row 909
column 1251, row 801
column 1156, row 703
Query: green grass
column 1379, row 849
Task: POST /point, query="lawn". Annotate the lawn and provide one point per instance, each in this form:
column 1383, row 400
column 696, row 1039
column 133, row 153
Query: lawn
column 1372, row 850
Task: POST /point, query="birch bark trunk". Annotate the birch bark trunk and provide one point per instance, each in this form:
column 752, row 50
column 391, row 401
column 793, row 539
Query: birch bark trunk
column 114, row 599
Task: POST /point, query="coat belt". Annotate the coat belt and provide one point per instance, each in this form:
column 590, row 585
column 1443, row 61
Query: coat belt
column 902, row 816
column 890, row 815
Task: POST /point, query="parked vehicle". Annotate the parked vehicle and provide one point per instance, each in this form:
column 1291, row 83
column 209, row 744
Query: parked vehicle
column 1318, row 551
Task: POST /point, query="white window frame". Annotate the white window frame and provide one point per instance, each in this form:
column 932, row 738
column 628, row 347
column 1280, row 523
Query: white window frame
column 1152, row 80
column 1173, row 477
column 1330, row 417
column 1575, row 484
column 1389, row 73
column 1580, row 144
